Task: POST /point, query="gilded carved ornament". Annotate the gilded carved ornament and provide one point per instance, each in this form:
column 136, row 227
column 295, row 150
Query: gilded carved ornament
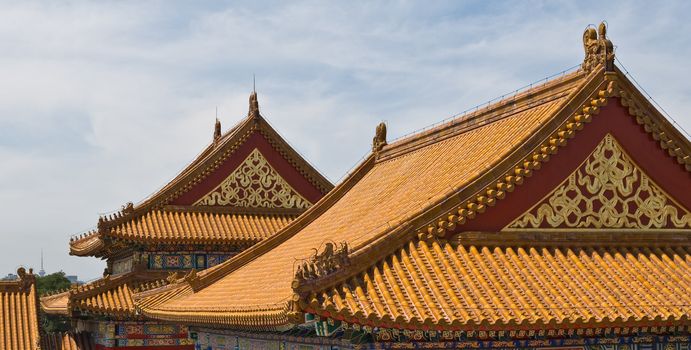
column 598, row 48
column 26, row 279
column 608, row 191
column 379, row 140
column 323, row 264
column 254, row 183
column 254, row 105
column 217, row 129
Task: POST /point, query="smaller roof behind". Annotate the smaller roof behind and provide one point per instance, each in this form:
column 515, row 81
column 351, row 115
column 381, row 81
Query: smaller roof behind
column 110, row 295
column 56, row 304
column 246, row 185
column 189, row 226
column 18, row 313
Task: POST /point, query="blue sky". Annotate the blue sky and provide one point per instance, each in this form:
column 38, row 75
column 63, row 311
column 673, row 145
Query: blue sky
column 104, row 102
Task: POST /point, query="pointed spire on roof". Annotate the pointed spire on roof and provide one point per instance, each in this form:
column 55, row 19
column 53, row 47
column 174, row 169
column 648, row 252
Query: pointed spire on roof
column 217, row 127
column 598, row 48
column 217, row 130
column 254, row 105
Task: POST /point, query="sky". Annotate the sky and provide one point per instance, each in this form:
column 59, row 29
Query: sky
column 104, row 102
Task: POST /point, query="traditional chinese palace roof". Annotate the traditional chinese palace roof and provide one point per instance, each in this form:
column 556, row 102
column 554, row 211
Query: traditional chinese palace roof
column 566, row 205
column 247, row 184
column 19, row 313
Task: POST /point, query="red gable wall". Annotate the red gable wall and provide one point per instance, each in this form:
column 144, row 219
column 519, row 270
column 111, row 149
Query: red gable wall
column 280, row 164
column 613, row 119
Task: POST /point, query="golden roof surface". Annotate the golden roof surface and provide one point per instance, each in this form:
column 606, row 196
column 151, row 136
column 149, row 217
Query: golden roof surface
column 190, row 226
column 56, row 304
column 19, row 313
column 433, row 283
column 387, row 215
column 110, row 295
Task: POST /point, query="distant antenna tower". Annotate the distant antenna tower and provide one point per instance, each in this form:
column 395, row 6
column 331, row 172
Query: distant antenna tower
column 42, row 272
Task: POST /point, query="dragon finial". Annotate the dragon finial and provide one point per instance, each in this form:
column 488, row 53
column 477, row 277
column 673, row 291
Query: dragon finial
column 217, row 130
column 26, row 278
column 331, row 259
column 598, row 48
column 254, row 105
column 379, row 140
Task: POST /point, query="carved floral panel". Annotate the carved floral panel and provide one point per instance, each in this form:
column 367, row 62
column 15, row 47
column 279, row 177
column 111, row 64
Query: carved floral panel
column 607, row 191
column 255, row 183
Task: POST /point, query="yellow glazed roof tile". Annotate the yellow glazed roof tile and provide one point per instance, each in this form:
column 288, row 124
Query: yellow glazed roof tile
column 56, row 304
column 188, row 226
column 469, row 285
column 221, row 220
column 19, row 313
column 202, row 227
column 112, row 295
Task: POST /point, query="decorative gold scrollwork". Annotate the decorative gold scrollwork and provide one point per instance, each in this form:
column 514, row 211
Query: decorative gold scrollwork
column 607, row 191
column 255, row 184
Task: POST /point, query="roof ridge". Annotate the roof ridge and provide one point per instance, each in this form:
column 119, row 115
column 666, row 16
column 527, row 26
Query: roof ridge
column 228, row 210
column 530, row 98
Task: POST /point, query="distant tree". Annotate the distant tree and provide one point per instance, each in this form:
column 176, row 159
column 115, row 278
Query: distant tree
column 50, row 284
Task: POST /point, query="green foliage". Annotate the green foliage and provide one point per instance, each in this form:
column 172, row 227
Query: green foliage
column 49, row 284
column 52, row 283
column 53, row 323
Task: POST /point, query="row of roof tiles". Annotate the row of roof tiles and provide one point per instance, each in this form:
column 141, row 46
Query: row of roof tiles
column 111, row 296
column 433, row 283
column 184, row 227
column 19, row 313
column 202, row 226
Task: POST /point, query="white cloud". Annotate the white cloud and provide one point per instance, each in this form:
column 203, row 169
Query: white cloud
column 102, row 103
